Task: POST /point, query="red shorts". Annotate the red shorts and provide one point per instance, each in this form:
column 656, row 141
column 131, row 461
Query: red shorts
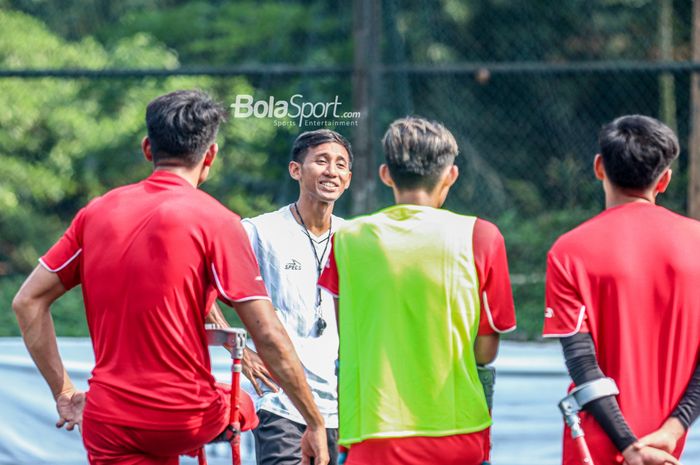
column 460, row 449
column 110, row 444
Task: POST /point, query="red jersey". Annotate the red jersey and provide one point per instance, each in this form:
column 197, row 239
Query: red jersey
column 152, row 258
column 629, row 277
column 497, row 316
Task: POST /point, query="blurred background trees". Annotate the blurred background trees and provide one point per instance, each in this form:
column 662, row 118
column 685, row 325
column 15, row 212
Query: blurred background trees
column 526, row 127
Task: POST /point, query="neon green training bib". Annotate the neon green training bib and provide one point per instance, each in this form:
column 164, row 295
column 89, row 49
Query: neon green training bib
column 409, row 315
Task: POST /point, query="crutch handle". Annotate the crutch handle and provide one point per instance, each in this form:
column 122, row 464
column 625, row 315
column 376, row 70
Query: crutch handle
column 572, row 404
column 232, row 337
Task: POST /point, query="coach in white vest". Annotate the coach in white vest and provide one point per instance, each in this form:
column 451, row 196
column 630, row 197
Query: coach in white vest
column 292, row 245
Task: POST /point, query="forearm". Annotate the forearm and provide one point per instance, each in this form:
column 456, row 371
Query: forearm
column 583, row 367
column 285, row 367
column 486, row 348
column 688, row 408
column 275, row 349
column 39, row 336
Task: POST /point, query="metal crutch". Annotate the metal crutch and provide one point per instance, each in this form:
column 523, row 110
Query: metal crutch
column 572, row 404
column 234, row 338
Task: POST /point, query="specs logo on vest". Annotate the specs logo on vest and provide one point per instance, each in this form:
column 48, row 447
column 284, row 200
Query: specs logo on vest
column 293, row 265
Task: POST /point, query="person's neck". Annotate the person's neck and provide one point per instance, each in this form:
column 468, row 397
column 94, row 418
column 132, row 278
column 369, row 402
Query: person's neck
column 315, row 215
column 188, row 174
column 417, row 197
column 617, row 197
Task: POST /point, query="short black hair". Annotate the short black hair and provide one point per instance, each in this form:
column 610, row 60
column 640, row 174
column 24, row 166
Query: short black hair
column 417, row 151
column 309, row 139
column 182, row 125
column 636, row 149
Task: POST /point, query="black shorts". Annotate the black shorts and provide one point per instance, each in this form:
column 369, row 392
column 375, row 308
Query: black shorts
column 278, row 440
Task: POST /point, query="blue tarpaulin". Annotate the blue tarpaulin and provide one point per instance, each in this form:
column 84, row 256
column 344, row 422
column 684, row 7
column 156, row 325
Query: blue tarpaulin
column 527, row 430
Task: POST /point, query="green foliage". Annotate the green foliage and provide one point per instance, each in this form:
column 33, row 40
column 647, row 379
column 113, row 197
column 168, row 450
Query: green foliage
column 8, row 288
column 63, row 142
column 526, row 140
column 206, row 32
column 529, row 306
column 68, row 312
column 535, row 30
column 528, row 239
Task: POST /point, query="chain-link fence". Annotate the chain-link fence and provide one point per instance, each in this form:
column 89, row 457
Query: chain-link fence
column 524, row 86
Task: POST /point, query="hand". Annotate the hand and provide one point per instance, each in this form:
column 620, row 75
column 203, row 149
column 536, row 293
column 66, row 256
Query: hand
column 70, row 406
column 314, row 444
column 254, row 369
column 666, row 437
column 638, row 454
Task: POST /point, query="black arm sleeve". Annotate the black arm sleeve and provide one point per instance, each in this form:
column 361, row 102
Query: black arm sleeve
column 688, row 408
column 579, row 353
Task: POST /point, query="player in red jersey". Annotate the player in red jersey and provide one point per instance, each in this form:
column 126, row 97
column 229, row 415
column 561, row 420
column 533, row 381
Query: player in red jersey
column 622, row 295
column 152, row 258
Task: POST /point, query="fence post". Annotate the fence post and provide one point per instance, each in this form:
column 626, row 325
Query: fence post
column 667, row 88
column 365, row 79
column 694, row 145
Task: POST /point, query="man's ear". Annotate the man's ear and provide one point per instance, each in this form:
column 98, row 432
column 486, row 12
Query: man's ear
column 598, row 167
column 146, row 149
column 385, row 175
column 663, row 182
column 443, row 186
column 295, row 170
column 210, row 154
column 452, row 175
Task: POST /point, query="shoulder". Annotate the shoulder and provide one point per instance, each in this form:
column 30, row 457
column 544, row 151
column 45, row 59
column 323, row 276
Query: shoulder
column 199, row 211
column 112, row 195
column 270, row 220
column 486, row 234
column 102, row 204
column 584, row 235
column 684, row 222
column 201, row 204
column 442, row 216
column 446, row 222
column 354, row 225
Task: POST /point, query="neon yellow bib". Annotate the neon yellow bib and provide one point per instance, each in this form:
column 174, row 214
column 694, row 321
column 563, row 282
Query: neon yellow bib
column 409, row 315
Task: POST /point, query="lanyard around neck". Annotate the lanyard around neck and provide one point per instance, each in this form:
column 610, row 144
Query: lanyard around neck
column 318, row 259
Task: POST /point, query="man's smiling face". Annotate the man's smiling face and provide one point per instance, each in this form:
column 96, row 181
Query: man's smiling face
column 324, row 173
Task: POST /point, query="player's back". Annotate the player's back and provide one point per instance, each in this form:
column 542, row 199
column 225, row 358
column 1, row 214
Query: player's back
column 409, row 304
column 147, row 288
column 636, row 268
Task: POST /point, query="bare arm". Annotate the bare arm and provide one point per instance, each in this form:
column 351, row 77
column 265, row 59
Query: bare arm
column 486, row 348
column 31, row 305
column 32, row 309
column 276, row 350
column 253, row 367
